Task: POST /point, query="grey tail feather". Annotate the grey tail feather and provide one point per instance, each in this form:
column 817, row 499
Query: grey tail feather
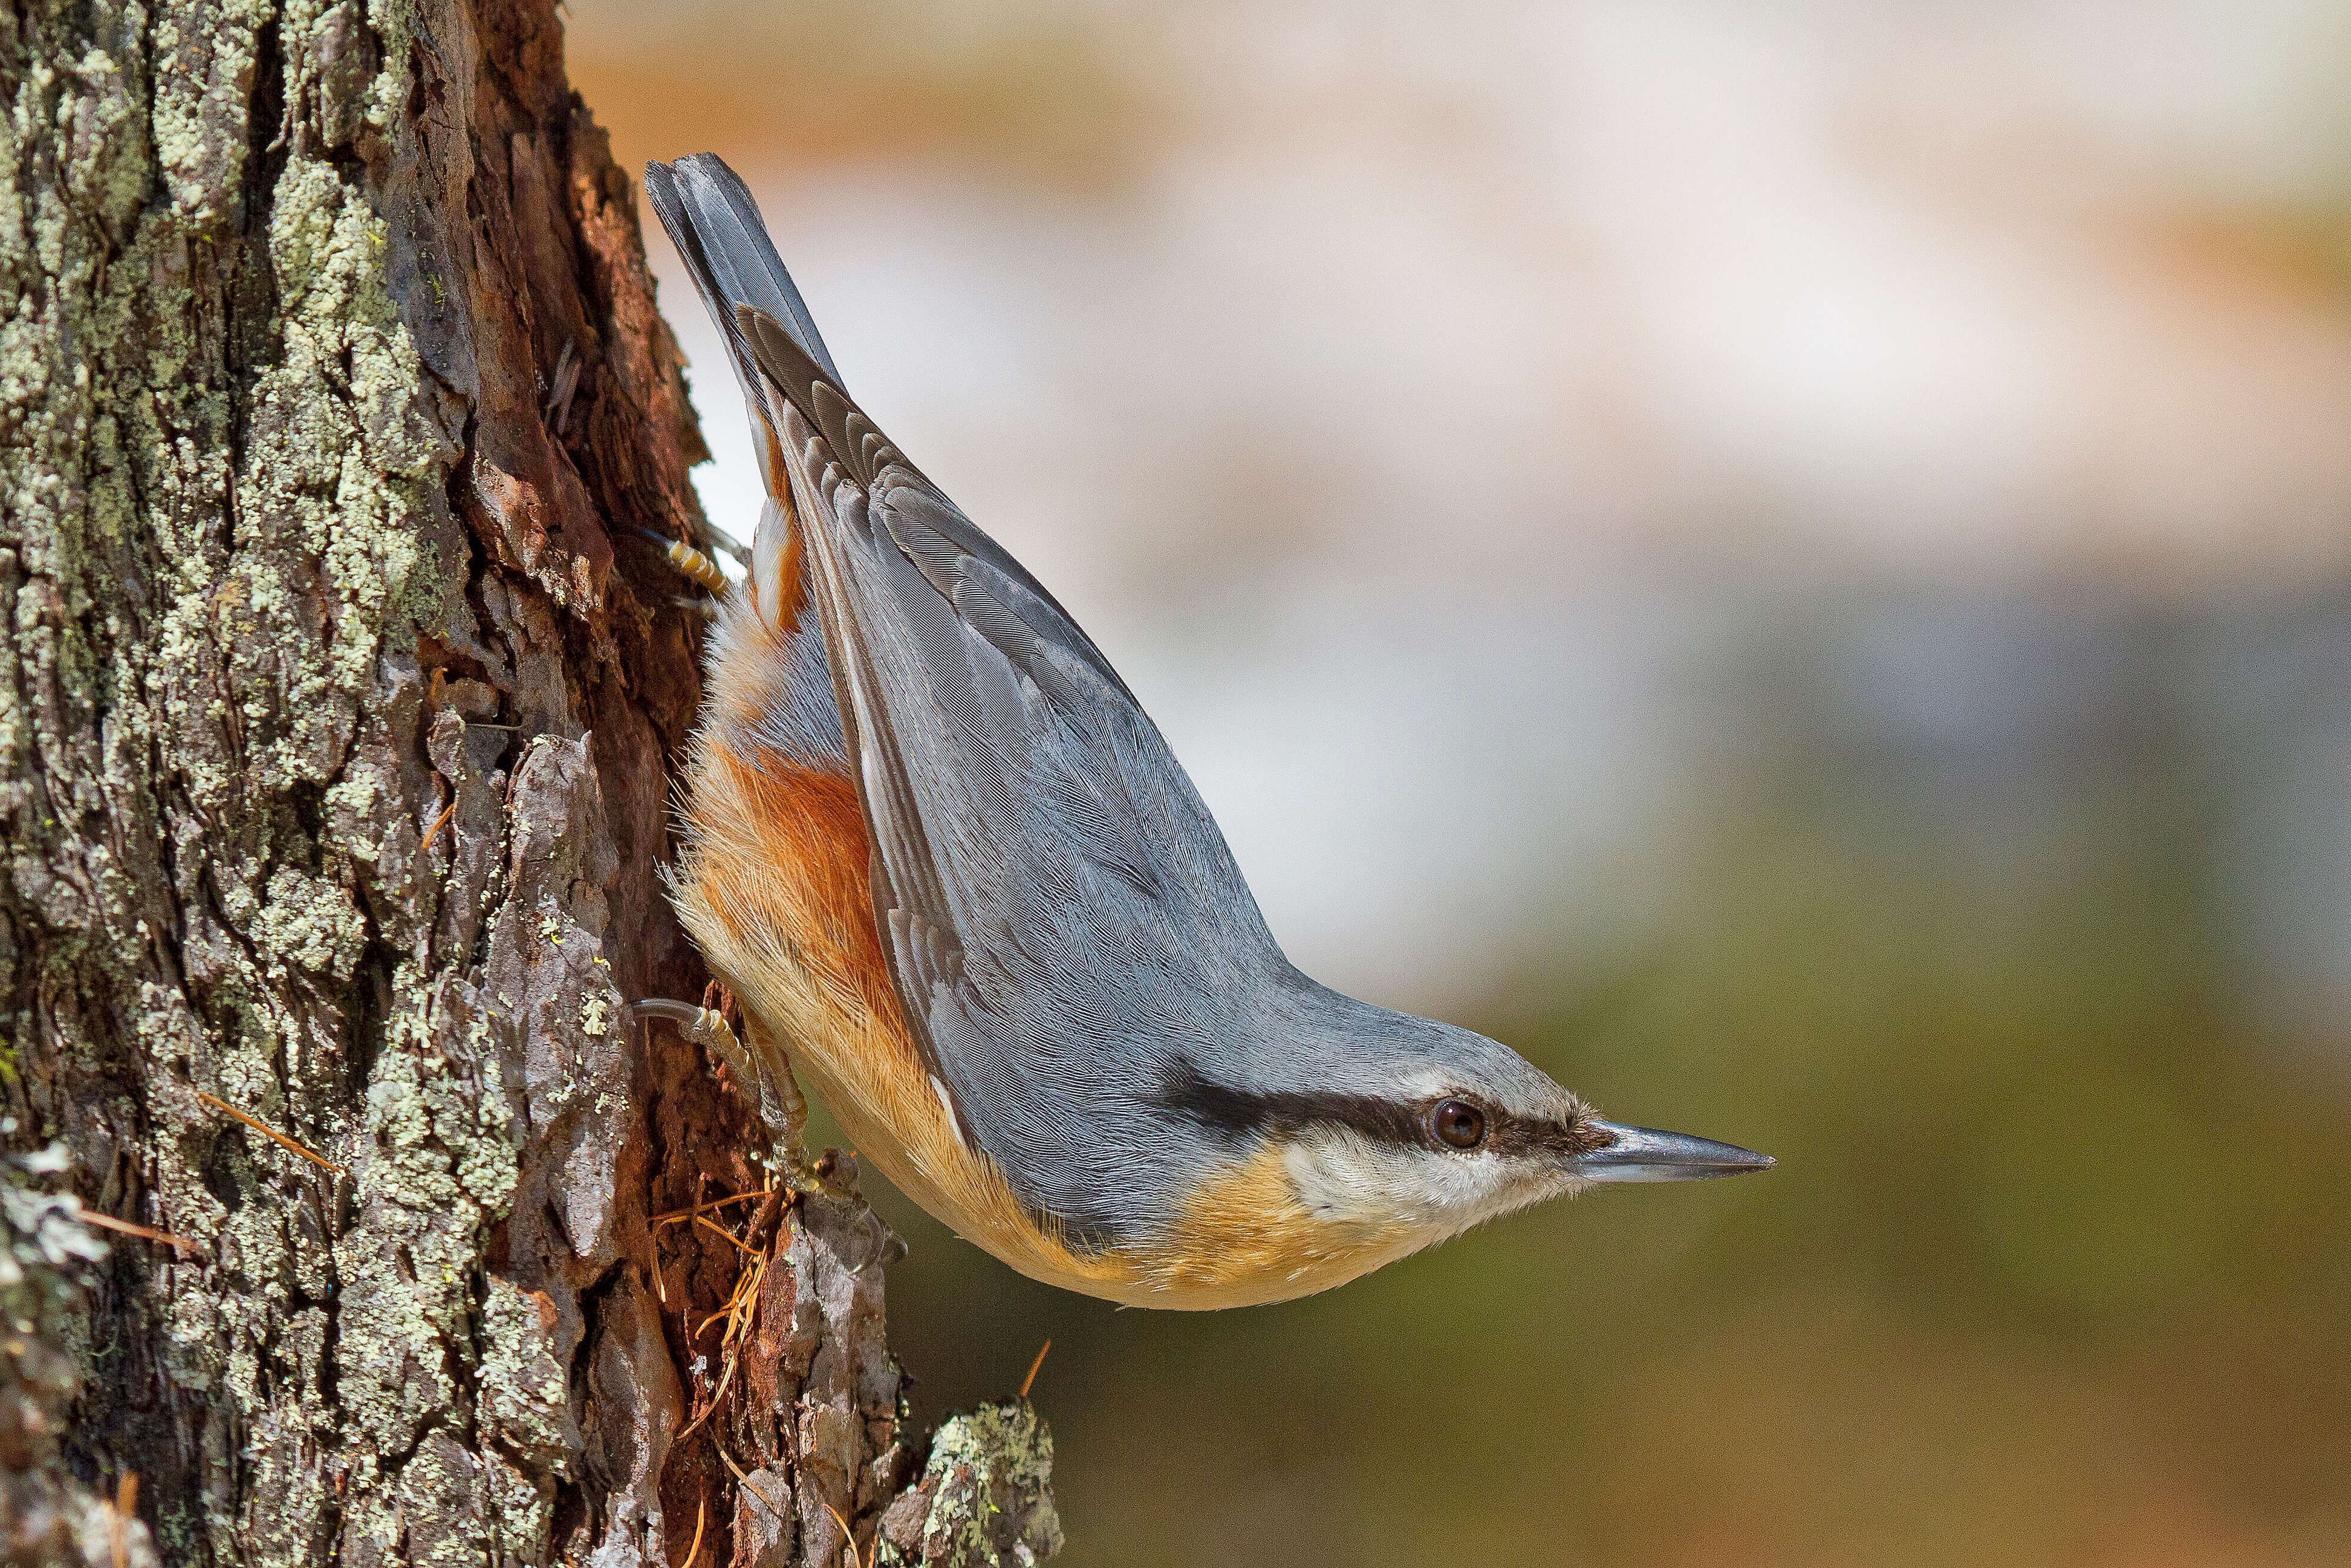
column 711, row 218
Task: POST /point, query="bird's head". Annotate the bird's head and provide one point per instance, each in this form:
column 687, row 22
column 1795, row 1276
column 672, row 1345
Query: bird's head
column 1414, row 1130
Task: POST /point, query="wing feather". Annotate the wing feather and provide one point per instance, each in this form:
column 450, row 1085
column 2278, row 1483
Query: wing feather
column 1060, row 913
column 1064, row 924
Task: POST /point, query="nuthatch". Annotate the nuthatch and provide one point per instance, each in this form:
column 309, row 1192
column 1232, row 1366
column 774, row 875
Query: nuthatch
column 948, row 868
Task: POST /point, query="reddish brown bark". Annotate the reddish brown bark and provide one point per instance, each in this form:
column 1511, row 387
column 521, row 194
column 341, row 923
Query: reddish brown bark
column 337, row 698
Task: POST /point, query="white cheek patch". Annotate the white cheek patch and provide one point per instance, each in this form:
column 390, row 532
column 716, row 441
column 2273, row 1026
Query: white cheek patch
column 1343, row 1177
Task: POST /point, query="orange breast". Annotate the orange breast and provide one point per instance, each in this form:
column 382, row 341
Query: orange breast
column 793, row 870
column 774, row 885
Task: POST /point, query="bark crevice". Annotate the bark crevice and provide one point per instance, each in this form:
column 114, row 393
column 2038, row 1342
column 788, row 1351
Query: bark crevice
column 335, row 790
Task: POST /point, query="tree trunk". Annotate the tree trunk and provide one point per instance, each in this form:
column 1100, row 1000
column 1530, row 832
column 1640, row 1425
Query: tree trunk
column 335, row 698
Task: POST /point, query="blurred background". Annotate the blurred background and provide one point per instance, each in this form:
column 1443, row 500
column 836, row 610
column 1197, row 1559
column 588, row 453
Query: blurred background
column 1791, row 560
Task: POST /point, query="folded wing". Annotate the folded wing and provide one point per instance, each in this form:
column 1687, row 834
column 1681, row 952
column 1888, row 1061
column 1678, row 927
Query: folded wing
column 1063, row 920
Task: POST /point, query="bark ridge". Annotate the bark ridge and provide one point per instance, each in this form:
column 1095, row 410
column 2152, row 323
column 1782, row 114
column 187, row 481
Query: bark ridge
column 335, row 710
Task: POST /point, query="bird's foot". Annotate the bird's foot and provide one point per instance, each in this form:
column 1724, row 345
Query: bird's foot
column 792, row 1166
column 781, row 1105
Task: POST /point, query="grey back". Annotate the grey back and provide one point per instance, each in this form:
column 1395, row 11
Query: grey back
column 1075, row 947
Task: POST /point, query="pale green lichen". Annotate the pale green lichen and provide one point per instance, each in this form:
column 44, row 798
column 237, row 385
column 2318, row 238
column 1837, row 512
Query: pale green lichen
column 270, row 510
column 440, row 1169
column 989, row 1477
column 308, row 924
column 45, row 1258
column 524, row 1401
column 206, row 72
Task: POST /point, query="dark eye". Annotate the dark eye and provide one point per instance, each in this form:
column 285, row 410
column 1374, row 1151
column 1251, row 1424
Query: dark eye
column 1458, row 1124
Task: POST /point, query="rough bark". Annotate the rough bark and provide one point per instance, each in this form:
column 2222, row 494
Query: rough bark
column 48, row 1515
column 336, row 705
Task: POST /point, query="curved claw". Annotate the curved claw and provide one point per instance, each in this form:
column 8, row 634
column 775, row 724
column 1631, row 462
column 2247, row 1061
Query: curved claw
column 687, row 1014
column 781, row 1105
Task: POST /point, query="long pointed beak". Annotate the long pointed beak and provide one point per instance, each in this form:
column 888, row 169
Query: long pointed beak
column 1644, row 1154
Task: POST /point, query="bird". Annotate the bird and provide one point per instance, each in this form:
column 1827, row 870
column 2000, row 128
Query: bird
column 950, row 871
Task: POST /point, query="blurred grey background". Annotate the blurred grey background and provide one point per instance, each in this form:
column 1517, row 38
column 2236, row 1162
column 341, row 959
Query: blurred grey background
column 1793, row 560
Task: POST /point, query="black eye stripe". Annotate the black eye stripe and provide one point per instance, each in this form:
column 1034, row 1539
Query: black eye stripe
column 1525, row 1136
column 1241, row 1113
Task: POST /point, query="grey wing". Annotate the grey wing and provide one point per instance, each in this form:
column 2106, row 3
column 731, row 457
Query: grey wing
column 715, row 225
column 1062, row 916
